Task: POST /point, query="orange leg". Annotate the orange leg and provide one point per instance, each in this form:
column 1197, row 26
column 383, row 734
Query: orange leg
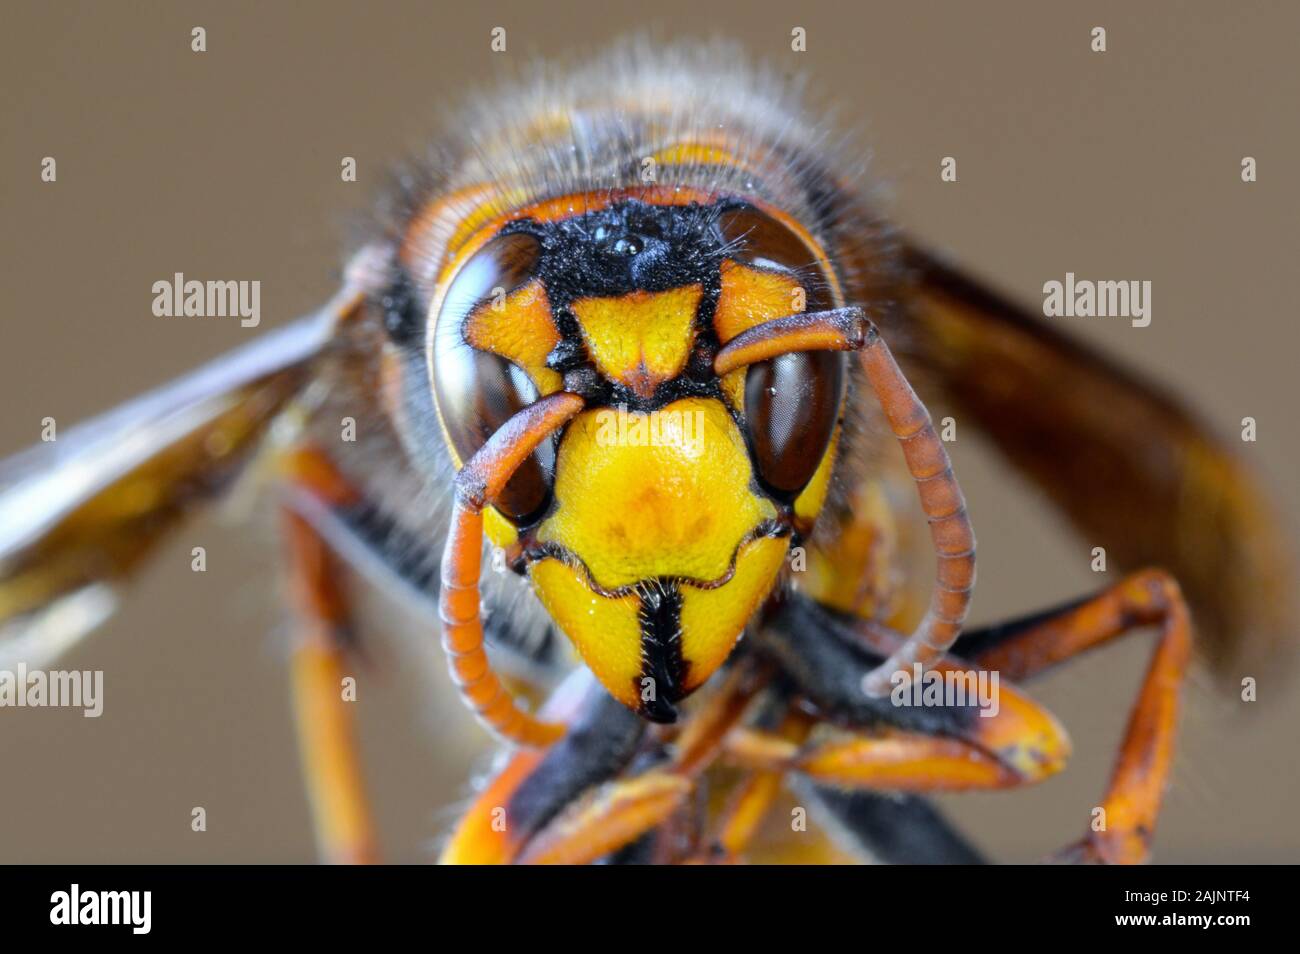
column 618, row 812
column 599, row 818
column 1020, row 744
column 1141, row 773
column 753, row 797
column 326, row 738
column 701, row 739
column 608, row 817
column 613, row 811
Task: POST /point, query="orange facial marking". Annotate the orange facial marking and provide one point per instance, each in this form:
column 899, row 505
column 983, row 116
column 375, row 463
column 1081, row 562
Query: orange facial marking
column 521, row 330
column 751, row 296
column 641, row 339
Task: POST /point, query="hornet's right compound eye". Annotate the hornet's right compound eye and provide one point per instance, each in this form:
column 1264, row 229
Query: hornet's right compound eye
column 477, row 391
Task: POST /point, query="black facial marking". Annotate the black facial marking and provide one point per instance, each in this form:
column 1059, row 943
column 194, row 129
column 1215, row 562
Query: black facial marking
column 661, row 649
column 627, row 247
column 566, row 356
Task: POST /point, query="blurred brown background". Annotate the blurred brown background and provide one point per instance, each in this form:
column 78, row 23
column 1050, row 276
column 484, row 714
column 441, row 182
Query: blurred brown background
column 1123, row 165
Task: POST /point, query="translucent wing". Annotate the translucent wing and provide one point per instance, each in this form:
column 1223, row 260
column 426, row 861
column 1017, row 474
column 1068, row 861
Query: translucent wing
column 78, row 514
column 1126, row 463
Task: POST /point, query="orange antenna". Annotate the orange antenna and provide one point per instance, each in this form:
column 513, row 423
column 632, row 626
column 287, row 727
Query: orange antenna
column 849, row 329
column 477, row 484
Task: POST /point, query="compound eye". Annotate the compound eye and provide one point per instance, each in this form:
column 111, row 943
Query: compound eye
column 477, row 391
column 792, row 404
column 755, row 238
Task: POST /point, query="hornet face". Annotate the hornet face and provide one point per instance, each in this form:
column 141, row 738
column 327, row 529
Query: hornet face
column 656, row 523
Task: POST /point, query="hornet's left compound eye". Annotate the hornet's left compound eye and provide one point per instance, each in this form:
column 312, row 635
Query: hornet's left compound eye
column 792, row 403
column 477, row 391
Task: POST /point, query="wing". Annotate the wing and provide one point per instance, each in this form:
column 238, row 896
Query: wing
column 1128, row 465
column 79, row 514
